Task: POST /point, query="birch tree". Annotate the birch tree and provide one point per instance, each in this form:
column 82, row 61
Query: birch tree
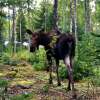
column 73, row 22
column 87, row 16
column 55, row 15
column 2, row 15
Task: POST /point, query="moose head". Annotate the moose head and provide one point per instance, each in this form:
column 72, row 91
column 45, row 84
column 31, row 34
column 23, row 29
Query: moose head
column 33, row 40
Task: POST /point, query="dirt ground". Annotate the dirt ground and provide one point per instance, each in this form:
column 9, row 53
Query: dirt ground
column 24, row 80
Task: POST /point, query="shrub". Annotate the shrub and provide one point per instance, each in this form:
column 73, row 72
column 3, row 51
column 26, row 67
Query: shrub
column 63, row 73
column 5, row 59
column 39, row 66
column 3, row 83
column 80, row 71
column 22, row 97
column 46, row 88
column 3, row 89
column 37, row 59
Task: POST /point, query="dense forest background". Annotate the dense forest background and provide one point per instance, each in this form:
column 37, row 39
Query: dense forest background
column 79, row 17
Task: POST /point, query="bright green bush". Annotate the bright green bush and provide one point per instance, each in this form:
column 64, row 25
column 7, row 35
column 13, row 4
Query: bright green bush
column 22, row 97
column 39, row 66
column 3, row 83
column 8, row 60
column 63, row 73
column 38, row 59
column 45, row 88
column 5, row 59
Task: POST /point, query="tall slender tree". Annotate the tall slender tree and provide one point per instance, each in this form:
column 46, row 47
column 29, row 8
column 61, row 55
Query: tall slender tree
column 55, row 16
column 2, row 15
column 71, row 15
column 87, row 16
column 21, row 27
column 73, row 22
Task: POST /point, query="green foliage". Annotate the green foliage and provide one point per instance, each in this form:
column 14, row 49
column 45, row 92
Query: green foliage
column 22, row 97
column 45, row 88
column 5, row 59
column 87, row 49
column 21, row 26
column 97, row 15
column 63, row 72
column 97, row 51
column 82, row 70
column 3, row 88
column 37, row 59
column 3, row 83
column 95, row 81
column 63, row 15
column 86, row 54
column 8, row 60
column 39, row 66
column 43, row 18
column 2, row 21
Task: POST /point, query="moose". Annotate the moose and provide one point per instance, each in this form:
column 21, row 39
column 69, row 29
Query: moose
column 63, row 49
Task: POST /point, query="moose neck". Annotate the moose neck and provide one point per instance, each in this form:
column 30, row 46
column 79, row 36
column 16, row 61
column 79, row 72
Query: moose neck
column 44, row 40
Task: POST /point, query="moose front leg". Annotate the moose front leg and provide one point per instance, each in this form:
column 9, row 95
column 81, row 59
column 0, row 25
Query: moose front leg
column 50, row 72
column 58, row 78
column 49, row 59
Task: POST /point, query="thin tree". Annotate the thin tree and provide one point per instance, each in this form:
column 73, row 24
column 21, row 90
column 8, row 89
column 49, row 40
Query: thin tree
column 2, row 15
column 14, row 30
column 9, row 20
column 71, row 16
column 87, row 16
column 73, row 22
column 55, row 15
column 75, row 27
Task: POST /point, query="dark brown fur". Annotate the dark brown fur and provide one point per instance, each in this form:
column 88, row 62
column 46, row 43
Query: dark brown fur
column 64, row 49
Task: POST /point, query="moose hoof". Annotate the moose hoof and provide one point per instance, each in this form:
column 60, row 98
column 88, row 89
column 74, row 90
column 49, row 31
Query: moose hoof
column 59, row 84
column 50, row 82
column 68, row 89
column 74, row 96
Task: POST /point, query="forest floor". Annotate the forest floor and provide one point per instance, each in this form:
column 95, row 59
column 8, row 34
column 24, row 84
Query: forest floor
column 23, row 79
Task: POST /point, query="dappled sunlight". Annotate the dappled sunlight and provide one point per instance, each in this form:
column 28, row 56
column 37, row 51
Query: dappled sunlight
column 49, row 49
column 23, row 79
column 23, row 82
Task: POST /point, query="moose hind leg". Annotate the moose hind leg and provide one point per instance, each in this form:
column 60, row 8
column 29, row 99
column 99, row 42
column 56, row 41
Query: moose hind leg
column 69, row 85
column 68, row 63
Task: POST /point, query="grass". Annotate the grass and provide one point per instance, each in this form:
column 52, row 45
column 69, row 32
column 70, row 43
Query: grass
column 22, row 97
column 20, row 71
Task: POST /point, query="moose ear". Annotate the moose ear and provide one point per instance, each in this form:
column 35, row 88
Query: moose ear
column 29, row 32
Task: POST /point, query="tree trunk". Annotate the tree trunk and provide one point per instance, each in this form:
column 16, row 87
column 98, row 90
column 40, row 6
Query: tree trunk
column 87, row 17
column 73, row 22
column 71, row 15
column 55, row 16
column 1, row 37
column 14, row 31
column 64, row 15
column 28, row 14
column 1, row 44
column 20, row 30
column 75, row 27
column 9, row 31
